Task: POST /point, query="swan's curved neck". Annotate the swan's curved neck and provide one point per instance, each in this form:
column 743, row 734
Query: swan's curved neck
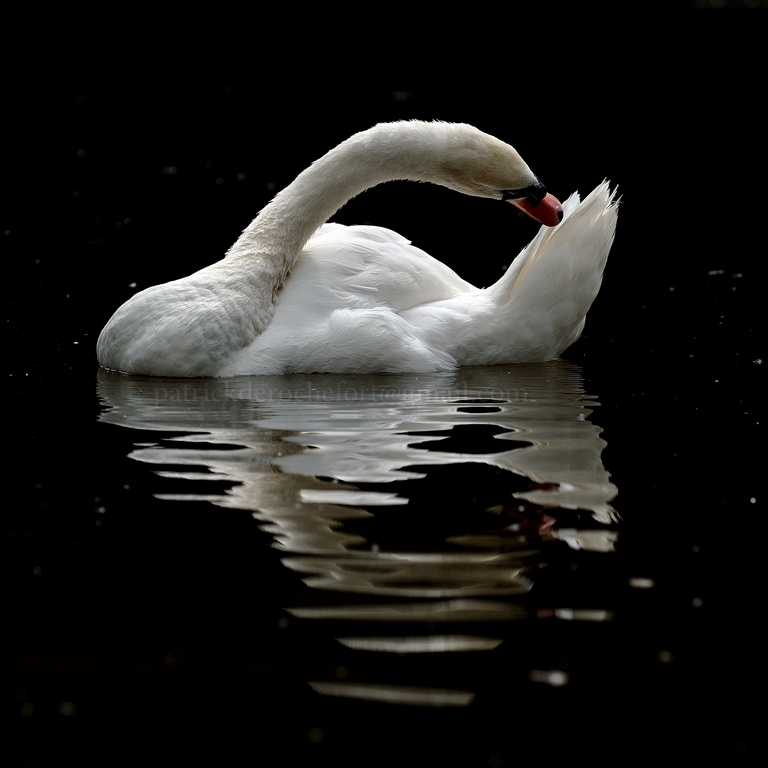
column 383, row 153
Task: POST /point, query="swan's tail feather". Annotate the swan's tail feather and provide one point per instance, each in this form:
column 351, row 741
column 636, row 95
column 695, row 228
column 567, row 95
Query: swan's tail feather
column 557, row 276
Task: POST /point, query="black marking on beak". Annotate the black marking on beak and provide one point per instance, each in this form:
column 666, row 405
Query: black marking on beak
column 534, row 193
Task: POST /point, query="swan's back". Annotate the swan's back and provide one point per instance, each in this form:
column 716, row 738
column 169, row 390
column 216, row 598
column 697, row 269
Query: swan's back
column 368, row 266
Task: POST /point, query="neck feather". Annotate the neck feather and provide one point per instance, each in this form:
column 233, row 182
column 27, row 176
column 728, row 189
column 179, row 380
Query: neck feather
column 383, row 153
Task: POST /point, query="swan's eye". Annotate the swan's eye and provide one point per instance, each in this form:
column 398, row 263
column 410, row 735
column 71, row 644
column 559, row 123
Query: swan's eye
column 537, row 192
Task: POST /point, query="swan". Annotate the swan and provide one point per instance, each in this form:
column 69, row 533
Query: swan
column 295, row 294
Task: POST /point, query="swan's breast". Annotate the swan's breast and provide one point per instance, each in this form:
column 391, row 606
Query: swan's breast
column 189, row 327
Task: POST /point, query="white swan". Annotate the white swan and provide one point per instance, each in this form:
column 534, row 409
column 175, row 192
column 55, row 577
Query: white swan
column 362, row 299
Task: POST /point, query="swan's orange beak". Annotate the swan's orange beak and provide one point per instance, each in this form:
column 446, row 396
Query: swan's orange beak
column 547, row 211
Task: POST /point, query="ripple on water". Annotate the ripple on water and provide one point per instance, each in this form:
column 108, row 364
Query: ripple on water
column 433, row 502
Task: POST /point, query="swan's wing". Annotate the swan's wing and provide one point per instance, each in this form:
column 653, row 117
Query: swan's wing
column 340, row 308
column 367, row 266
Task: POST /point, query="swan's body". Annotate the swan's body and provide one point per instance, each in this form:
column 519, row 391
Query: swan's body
column 362, row 299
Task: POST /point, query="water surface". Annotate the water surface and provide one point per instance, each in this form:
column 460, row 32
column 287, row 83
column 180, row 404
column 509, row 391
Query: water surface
column 421, row 511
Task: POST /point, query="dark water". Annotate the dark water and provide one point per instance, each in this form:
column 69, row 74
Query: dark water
column 475, row 568
column 502, row 566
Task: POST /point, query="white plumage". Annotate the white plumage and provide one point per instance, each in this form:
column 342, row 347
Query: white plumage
column 362, row 299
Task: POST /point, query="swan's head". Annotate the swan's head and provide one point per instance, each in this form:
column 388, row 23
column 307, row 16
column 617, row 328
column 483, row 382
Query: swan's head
column 478, row 164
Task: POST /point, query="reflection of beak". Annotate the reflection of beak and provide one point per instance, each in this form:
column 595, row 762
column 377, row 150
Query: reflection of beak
column 547, row 211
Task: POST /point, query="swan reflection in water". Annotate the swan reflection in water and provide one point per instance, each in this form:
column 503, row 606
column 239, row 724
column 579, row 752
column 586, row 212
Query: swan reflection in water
column 341, row 470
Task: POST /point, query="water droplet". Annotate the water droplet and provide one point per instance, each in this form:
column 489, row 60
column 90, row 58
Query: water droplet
column 554, row 677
